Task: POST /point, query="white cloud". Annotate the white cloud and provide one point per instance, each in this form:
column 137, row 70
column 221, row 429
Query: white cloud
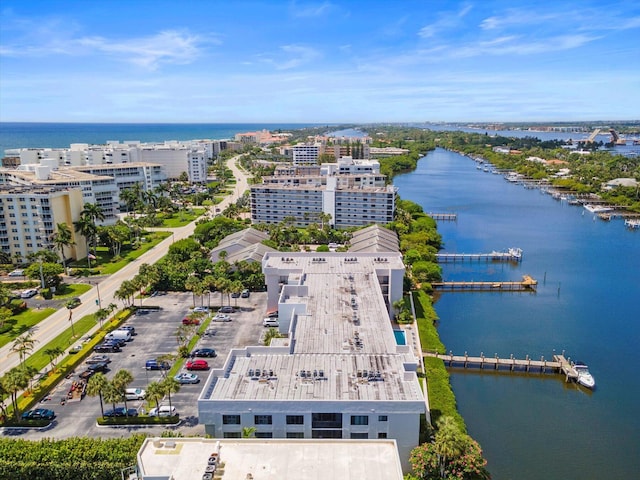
column 165, row 47
column 310, row 9
column 298, row 55
column 445, row 21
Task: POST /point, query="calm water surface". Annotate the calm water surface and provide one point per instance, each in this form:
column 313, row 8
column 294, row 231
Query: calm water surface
column 588, row 303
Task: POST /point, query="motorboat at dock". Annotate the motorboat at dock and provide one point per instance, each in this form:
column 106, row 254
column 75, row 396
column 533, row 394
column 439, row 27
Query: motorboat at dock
column 584, row 376
column 597, row 208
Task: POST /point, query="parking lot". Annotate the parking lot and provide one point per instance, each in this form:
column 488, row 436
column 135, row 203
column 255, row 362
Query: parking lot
column 154, row 337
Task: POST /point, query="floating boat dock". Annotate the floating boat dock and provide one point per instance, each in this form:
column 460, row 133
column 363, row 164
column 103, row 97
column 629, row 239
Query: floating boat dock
column 511, row 255
column 559, row 364
column 444, row 216
column 527, row 284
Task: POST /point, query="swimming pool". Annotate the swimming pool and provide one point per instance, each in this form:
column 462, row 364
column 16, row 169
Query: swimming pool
column 401, row 338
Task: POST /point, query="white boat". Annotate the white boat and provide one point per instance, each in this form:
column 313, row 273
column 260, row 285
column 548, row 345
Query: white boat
column 597, row 208
column 632, row 223
column 584, row 376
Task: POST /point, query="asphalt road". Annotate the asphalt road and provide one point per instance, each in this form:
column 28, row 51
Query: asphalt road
column 56, row 323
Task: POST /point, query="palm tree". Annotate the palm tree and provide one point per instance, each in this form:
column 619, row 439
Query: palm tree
column 62, row 238
column 23, row 345
column 95, row 386
column 449, row 442
column 12, row 382
column 111, row 394
column 54, row 353
column 121, row 381
column 155, row 391
column 248, row 432
column 87, row 228
column 170, row 385
column 93, row 211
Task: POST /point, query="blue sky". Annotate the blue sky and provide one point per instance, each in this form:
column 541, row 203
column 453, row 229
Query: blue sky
column 319, row 61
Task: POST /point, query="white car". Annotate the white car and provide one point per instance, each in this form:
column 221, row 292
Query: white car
column 17, row 273
column 187, row 378
column 270, row 322
column 135, row 394
column 221, row 317
column 29, row 293
column 201, row 309
column 163, row 411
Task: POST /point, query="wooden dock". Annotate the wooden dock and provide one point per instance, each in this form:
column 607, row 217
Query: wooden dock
column 444, row 216
column 527, row 284
column 559, row 364
column 511, row 255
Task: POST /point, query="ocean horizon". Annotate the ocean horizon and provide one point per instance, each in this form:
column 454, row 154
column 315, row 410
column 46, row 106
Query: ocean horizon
column 62, row 134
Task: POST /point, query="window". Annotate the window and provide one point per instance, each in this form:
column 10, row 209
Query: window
column 231, row 419
column 326, row 420
column 382, row 418
column 382, row 434
column 295, row 419
column 326, row 434
column 295, row 434
column 359, row 435
column 263, row 435
column 359, row 420
column 231, row 435
column 262, row 419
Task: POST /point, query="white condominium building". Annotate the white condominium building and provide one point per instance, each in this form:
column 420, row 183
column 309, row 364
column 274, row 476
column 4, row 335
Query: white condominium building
column 352, row 191
column 305, row 154
column 338, row 371
column 29, row 217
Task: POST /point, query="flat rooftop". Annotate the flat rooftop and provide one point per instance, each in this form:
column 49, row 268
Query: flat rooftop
column 272, row 459
column 352, row 377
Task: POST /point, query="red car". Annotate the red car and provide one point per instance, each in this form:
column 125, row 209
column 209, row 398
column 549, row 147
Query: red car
column 190, row 321
column 197, row 365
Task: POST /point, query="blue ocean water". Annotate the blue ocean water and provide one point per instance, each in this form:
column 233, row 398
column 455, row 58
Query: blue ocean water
column 534, row 427
column 61, row 135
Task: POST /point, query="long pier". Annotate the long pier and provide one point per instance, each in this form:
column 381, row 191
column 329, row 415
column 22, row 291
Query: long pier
column 527, row 284
column 511, row 255
column 559, row 364
column 443, row 216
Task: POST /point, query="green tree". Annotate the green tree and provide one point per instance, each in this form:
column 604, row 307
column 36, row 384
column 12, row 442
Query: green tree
column 54, row 353
column 13, row 382
column 95, row 386
column 121, row 380
column 23, row 345
column 170, row 385
column 61, row 239
column 248, row 432
column 87, row 228
column 155, row 392
column 47, row 272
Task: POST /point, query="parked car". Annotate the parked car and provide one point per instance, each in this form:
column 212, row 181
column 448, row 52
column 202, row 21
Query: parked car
column 121, row 412
column 221, row 317
column 30, row 292
column 98, row 359
column 272, row 314
column 197, row 365
column 156, row 365
column 204, row 352
column 39, row 414
column 107, row 348
column 227, row 309
column 270, row 322
column 119, row 334
column 16, row 273
column 201, row 309
column 235, row 295
column 98, row 367
column 245, row 293
column 163, row 411
column 190, row 321
column 134, row 394
column 131, row 330
column 187, row 378
column 121, row 342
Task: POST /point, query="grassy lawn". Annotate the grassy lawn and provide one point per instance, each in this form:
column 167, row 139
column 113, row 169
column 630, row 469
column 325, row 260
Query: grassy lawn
column 40, row 359
column 181, row 219
column 106, row 264
column 23, row 322
column 69, row 290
